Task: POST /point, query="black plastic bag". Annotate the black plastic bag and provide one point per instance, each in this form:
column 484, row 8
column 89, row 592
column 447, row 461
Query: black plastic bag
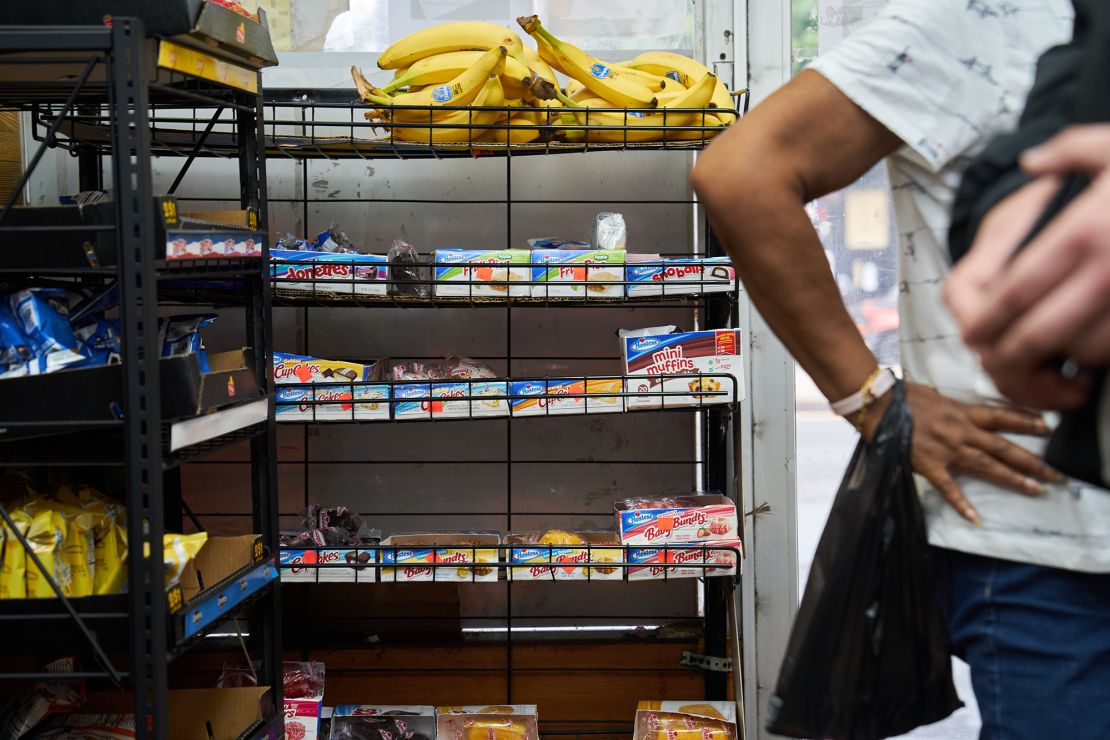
column 868, row 654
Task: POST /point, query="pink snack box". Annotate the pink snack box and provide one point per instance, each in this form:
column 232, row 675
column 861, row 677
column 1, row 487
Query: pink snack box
column 678, row 519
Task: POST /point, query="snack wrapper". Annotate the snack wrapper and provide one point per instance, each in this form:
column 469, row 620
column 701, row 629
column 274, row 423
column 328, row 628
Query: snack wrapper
column 13, row 579
column 14, row 348
column 685, row 720
column 181, row 336
column 46, row 536
column 47, row 331
column 610, row 231
column 408, row 276
column 496, row 722
column 368, row 722
column 177, row 551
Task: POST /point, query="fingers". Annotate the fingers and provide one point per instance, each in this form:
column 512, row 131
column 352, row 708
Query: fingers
column 1021, row 462
column 1082, row 148
column 978, row 463
column 999, row 419
column 948, row 489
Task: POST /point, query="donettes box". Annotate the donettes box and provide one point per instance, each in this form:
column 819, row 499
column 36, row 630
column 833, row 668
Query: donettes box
column 414, row 555
column 329, row 272
column 683, row 561
column 710, row 362
column 696, row 518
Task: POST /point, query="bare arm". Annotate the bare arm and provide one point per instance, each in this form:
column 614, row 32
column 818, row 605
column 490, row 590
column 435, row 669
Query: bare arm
column 806, row 140
column 803, row 142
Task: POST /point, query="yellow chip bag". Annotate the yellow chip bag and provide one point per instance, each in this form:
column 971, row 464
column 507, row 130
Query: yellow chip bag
column 46, row 537
column 110, row 555
column 13, row 584
column 177, row 551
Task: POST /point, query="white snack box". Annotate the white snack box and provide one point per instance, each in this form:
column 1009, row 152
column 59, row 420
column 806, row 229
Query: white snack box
column 477, row 273
column 651, row 354
column 563, row 273
column 681, row 276
column 412, row 555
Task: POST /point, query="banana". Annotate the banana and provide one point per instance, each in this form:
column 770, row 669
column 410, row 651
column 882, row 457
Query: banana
column 456, row 36
column 600, row 78
column 710, row 125
column 464, row 125
column 462, row 90
column 652, row 82
column 526, row 133
column 539, row 66
column 685, row 71
column 696, row 97
column 440, row 68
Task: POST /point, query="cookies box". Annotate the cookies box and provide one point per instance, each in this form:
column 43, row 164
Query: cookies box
column 493, row 722
column 706, row 361
column 695, row 719
column 682, row 561
column 332, row 273
column 293, row 559
column 573, row 273
column 528, row 397
column 699, row 518
column 477, row 273
column 561, row 559
column 414, row 554
column 396, row 721
column 301, row 380
column 681, row 276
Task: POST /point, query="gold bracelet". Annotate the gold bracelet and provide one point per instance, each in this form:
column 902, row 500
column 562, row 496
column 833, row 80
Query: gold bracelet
column 868, row 398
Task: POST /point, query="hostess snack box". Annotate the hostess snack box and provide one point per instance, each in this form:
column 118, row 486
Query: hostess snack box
column 191, row 245
column 492, row 722
column 345, row 386
column 451, row 399
column 695, row 719
column 414, row 554
column 573, row 273
column 488, row 398
column 695, row 518
column 597, row 402
column 474, row 273
column 528, row 397
column 558, row 555
column 682, row 561
column 708, row 364
column 383, row 721
column 292, row 562
column 413, row 401
column 681, row 276
column 566, row 396
column 335, row 273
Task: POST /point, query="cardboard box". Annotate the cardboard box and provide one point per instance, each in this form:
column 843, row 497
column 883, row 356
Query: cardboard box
column 712, row 357
column 306, row 713
column 530, row 397
column 289, row 558
column 681, row 276
column 412, row 554
column 201, row 595
column 228, row 712
column 566, row 396
column 477, row 273
column 658, row 720
column 408, row 720
column 345, row 386
column 329, row 273
column 568, row 273
column 516, row 721
column 542, row 562
column 678, row 561
column 704, row 518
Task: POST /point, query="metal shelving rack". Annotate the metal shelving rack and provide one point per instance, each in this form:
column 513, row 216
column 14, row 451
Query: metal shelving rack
column 131, row 638
column 332, row 129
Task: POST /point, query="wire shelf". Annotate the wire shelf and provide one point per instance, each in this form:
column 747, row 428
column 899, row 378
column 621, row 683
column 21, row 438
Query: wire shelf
column 587, row 562
column 468, row 399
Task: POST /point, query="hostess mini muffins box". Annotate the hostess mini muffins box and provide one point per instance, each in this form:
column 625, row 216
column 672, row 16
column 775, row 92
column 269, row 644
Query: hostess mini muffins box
column 458, row 558
column 573, row 273
column 557, row 555
column 673, row 369
column 478, row 273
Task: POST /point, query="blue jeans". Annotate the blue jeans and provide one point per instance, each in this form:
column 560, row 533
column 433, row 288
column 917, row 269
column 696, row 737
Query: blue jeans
column 1038, row 643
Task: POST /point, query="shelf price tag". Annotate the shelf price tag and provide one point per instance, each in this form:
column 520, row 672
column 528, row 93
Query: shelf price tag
column 257, row 551
column 176, row 599
column 169, row 212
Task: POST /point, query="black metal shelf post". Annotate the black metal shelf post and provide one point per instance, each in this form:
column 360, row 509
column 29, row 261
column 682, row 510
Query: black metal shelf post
column 143, row 624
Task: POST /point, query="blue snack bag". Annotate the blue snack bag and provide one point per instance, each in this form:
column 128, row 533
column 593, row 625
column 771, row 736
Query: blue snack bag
column 181, row 336
column 14, row 347
column 47, row 331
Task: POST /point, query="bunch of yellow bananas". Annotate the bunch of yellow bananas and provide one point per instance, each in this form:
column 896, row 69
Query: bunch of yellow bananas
column 482, row 65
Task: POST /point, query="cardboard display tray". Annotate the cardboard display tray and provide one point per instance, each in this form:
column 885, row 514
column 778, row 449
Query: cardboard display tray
column 194, row 22
column 96, row 394
column 175, row 237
